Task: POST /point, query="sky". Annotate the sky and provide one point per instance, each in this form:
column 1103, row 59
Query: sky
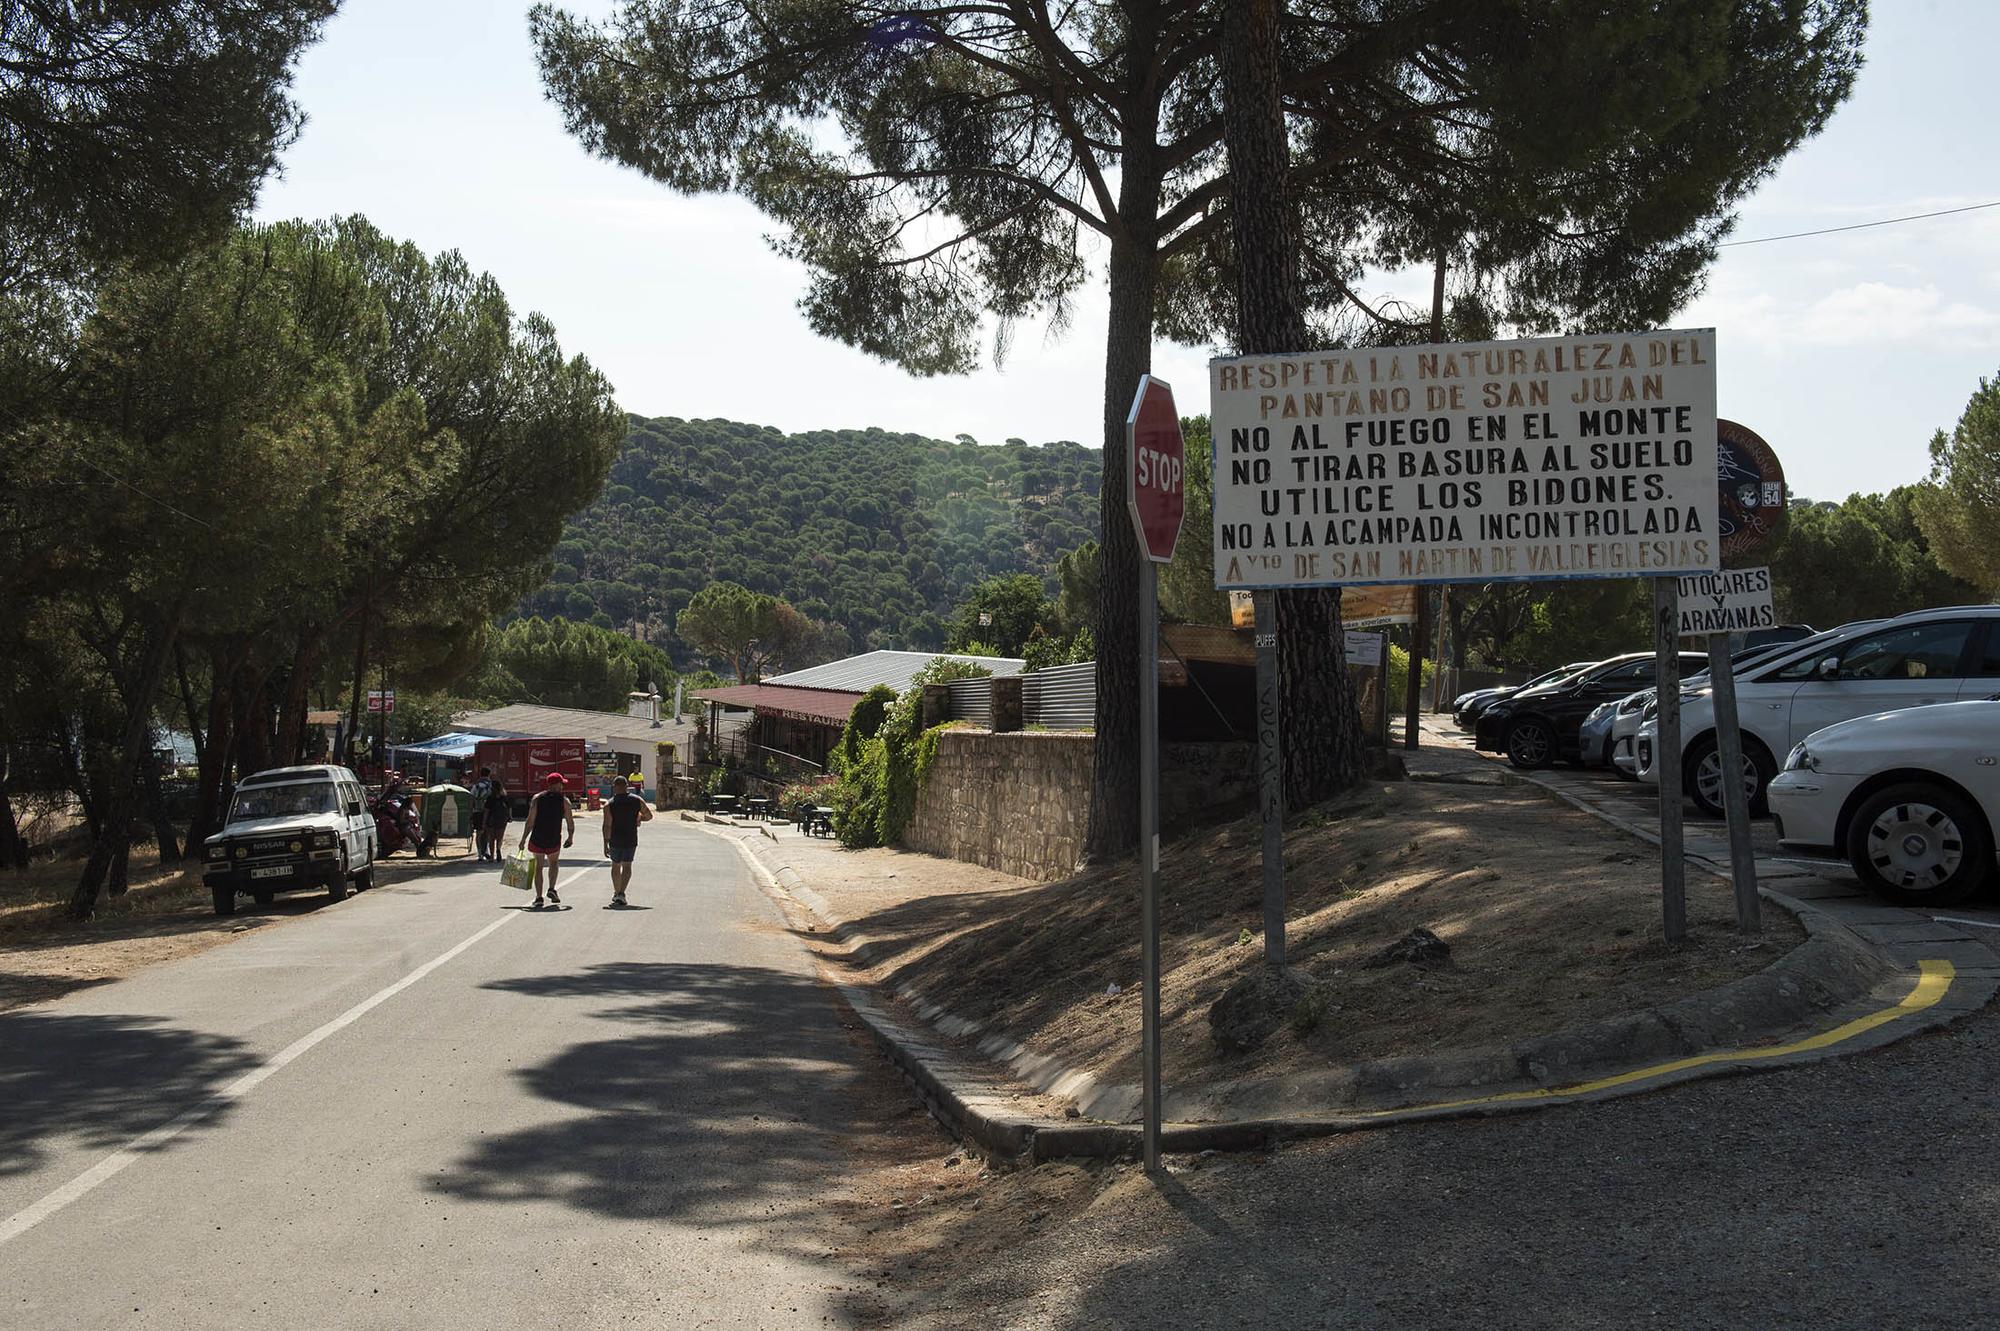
column 1844, row 351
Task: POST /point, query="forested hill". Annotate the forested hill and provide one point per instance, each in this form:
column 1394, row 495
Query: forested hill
column 877, row 533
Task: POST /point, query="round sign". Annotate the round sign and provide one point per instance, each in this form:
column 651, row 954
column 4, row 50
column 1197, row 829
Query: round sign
column 1155, row 469
column 1752, row 505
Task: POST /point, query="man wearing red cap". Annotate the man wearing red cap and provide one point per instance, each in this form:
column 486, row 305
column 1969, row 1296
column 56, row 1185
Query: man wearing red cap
column 547, row 812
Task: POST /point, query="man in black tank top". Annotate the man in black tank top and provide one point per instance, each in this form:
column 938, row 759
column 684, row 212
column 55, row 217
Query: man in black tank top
column 623, row 813
column 548, row 818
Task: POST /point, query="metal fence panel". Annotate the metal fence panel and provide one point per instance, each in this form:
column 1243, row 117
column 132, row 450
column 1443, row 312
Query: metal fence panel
column 1061, row 697
column 970, row 700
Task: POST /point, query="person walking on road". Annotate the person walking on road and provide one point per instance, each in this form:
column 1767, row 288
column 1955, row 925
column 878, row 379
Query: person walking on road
column 548, row 812
column 623, row 813
column 482, row 836
column 495, row 815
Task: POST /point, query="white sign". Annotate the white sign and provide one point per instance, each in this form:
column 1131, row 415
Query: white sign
column 1547, row 458
column 1732, row 601
column 1364, row 649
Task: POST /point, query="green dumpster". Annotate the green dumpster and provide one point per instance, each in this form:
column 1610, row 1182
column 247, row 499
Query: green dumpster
column 448, row 811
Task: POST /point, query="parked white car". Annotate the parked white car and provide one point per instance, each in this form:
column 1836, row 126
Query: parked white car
column 1915, row 660
column 1909, row 798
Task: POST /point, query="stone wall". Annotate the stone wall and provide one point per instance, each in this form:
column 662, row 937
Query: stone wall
column 1020, row 802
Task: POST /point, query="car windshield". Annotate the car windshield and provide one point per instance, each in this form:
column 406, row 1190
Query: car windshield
column 282, row 801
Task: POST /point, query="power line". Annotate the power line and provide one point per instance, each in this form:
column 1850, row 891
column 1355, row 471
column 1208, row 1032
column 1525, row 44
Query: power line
column 149, row 498
column 1861, row 226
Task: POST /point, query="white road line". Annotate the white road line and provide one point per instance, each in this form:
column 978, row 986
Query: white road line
column 23, row 1221
column 1953, row 919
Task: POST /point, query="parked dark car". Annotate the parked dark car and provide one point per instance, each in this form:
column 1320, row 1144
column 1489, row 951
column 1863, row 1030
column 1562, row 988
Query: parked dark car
column 1467, row 707
column 1776, row 635
column 1540, row 725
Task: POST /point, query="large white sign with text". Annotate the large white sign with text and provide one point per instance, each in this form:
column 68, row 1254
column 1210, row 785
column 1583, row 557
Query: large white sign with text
column 1547, row 458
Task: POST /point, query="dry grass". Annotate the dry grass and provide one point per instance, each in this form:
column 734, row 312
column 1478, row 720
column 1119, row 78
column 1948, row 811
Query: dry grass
column 32, row 901
column 1553, row 919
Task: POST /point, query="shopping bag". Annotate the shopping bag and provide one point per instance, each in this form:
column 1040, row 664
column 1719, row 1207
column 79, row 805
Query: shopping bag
column 518, row 871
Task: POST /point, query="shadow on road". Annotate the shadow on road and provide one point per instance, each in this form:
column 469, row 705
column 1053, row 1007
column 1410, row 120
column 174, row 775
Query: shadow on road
column 98, row 1081
column 729, row 1097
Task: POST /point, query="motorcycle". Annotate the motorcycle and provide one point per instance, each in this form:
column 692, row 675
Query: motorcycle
column 397, row 826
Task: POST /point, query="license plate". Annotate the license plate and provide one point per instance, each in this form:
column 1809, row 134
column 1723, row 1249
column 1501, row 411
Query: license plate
column 274, row 871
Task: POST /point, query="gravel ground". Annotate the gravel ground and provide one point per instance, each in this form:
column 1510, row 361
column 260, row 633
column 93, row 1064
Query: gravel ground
column 1857, row 1193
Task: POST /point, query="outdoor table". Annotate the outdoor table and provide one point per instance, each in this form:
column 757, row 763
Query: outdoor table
column 759, row 806
column 721, row 803
column 819, row 822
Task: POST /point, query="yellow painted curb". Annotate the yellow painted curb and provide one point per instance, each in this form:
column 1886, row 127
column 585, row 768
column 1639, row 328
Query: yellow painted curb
column 1933, row 982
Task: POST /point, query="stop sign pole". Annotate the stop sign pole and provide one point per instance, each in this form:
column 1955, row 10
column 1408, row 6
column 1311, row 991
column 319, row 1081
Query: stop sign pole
column 1155, row 464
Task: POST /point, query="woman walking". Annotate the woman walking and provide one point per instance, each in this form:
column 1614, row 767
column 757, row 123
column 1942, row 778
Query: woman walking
column 547, row 812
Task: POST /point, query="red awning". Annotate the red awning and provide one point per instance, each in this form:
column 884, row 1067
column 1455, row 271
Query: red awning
column 826, row 707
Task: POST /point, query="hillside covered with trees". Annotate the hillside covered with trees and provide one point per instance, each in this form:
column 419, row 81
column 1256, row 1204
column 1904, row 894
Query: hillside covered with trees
column 875, row 536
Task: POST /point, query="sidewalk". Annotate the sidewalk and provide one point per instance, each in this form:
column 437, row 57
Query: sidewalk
column 1906, row 935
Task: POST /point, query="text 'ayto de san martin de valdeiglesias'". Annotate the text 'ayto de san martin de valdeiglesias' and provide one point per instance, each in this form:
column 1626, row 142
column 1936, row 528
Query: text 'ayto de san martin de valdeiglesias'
column 1545, row 458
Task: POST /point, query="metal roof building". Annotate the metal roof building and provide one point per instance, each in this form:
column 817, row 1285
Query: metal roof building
column 858, row 674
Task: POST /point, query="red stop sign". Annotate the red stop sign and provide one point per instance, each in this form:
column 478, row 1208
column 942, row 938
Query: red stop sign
column 1155, row 466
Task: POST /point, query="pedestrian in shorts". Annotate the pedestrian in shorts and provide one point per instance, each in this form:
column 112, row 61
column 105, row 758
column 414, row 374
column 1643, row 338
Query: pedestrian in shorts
column 548, row 816
column 623, row 813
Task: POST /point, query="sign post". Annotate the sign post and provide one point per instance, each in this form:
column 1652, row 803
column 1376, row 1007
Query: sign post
column 1667, row 678
column 1715, row 605
column 1751, row 499
column 1155, row 462
column 1270, row 777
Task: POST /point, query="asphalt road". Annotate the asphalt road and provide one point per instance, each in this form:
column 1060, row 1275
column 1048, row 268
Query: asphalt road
column 429, row 1107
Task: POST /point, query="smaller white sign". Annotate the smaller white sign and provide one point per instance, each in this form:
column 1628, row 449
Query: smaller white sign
column 1364, row 649
column 1735, row 600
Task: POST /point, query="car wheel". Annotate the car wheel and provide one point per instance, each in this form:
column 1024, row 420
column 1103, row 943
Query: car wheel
column 224, row 899
column 1704, row 776
column 1531, row 743
column 263, row 898
column 365, row 879
column 1918, row 845
column 336, row 889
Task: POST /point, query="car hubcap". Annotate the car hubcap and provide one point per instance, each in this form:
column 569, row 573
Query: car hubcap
column 1708, row 778
column 1531, row 744
column 1915, row 846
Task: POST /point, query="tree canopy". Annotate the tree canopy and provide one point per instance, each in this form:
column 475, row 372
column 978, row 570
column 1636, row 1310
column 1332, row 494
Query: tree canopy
column 874, row 537
column 933, row 164
column 1959, row 510
column 297, row 443
column 563, row 664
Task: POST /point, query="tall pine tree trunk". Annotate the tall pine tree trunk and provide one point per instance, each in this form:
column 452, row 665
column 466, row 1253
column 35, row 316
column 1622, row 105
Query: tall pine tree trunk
column 1322, row 749
column 1128, row 353
column 291, row 747
column 207, row 816
column 156, row 809
column 13, row 847
column 105, row 869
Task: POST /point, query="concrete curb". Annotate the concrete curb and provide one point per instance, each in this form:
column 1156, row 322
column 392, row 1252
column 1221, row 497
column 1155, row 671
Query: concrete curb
column 1835, row 977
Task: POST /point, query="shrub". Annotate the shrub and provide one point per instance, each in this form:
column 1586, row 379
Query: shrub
column 1399, row 678
column 876, row 793
column 863, row 723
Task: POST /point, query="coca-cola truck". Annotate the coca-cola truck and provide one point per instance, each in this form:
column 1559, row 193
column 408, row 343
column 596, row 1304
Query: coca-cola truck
column 523, row 766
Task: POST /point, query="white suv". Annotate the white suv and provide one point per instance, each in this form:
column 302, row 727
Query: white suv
column 1913, row 660
column 288, row 828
